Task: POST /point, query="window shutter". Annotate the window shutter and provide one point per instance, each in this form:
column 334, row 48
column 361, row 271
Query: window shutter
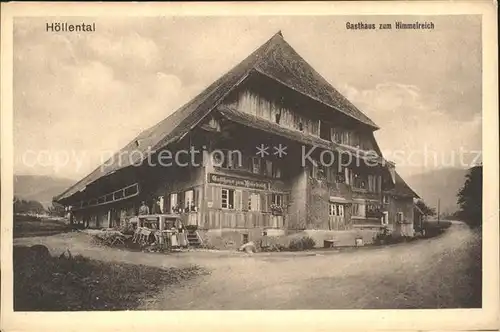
column 238, row 200
column 265, row 199
column 216, row 197
column 244, row 198
column 269, row 168
column 362, row 210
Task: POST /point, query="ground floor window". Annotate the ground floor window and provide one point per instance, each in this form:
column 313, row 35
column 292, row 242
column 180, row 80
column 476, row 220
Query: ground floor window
column 254, row 202
column 399, row 217
column 227, row 198
column 385, row 218
column 173, row 202
column 336, row 209
column 358, row 210
column 373, row 210
column 277, row 199
column 188, row 199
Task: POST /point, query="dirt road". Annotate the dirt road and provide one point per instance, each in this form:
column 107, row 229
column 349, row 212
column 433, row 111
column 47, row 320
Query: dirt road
column 441, row 272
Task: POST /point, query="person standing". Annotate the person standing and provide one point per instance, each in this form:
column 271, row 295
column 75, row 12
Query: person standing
column 144, row 209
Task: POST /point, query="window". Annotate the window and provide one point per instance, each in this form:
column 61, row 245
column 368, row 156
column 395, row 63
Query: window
column 332, row 210
column 227, row 159
column 161, row 203
column 358, row 210
column 373, row 211
column 256, row 165
column 340, row 210
column 336, row 135
column 385, row 199
column 336, row 209
column 227, row 199
column 342, row 136
column 372, row 183
column 359, row 181
column 335, row 174
column 277, row 117
column 173, row 202
column 346, row 138
column 188, row 198
column 385, row 218
column 399, row 217
column 277, row 199
column 324, row 131
column 276, row 171
column 254, row 202
column 269, row 168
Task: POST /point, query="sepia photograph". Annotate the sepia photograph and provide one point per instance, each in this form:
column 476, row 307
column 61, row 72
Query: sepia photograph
column 247, row 162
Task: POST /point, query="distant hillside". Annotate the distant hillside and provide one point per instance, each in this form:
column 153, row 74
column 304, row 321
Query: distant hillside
column 439, row 184
column 40, row 188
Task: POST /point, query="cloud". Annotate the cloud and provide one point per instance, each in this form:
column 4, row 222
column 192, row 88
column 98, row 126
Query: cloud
column 69, row 103
column 414, row 130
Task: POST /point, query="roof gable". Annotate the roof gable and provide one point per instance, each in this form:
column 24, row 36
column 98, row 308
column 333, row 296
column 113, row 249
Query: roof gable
column 283, row 64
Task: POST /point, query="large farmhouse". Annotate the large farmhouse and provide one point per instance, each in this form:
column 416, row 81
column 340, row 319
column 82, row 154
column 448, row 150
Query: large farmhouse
column 270, row 145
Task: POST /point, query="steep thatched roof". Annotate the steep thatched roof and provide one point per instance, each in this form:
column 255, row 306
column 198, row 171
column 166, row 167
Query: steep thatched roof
column 275, row 59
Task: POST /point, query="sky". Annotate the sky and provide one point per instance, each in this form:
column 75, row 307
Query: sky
column 78, row 97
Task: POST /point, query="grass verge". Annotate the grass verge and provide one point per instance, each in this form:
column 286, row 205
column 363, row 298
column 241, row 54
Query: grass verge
column 69, row 283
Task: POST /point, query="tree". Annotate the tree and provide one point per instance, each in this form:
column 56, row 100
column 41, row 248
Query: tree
column 427, row 211
column 25, row 206
column 470, row 197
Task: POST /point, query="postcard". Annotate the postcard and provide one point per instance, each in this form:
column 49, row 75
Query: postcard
column 230, row 166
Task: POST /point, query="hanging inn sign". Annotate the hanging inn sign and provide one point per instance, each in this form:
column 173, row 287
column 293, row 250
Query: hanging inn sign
column 237, row 182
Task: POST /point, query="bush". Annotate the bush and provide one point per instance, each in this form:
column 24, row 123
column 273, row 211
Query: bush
column 303, row 243
column 275, row 247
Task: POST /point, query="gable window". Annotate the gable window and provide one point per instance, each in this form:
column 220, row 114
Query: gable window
column 341, row 136
column 324, row 131
column 227, row 198
column 336, row 135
